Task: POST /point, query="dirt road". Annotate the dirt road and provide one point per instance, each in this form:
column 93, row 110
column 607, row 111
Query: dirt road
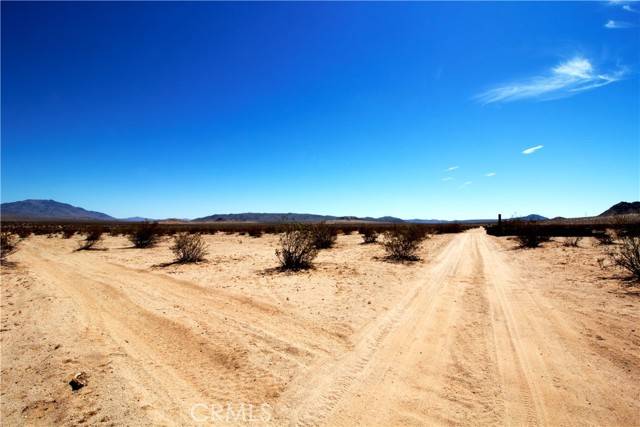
column 471, row 339
column 474, row 345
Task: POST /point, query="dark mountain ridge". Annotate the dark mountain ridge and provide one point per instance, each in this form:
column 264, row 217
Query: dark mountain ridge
column 48, row 209
column 622, row 208
column 33, row 209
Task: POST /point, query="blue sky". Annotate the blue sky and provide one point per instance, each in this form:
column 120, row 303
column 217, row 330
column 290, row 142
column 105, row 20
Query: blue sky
column 189, row 109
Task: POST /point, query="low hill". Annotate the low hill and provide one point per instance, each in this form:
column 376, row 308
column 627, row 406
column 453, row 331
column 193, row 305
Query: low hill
column 622, row 208
column 533, row 217
column 33, row 209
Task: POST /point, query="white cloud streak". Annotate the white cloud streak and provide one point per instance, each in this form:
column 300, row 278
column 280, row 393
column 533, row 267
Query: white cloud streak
column 565, row 79
column 466, row 184
column 490, row 174
column 532, row 149
column 616, row 25
column 447, row 179
column 452, row 168
column 626, row 5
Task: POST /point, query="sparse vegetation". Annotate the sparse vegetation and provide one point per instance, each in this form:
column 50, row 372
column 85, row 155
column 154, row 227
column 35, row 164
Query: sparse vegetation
column 369, row 235
column 23, row 232
column 255, row 232
column 627, row 256
column 403, row 242
column 297, row 248
column 572, row 242
column 145, row 235
column 68, row 233
column 531, row 238
column 90, row 240
column 323, row 235
column 8, row 245
column 189, row 248
column 605, row 237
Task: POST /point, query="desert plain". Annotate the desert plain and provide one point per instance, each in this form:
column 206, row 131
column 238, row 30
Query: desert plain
column 477, row 332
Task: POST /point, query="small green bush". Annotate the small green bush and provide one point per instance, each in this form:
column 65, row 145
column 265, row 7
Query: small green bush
column 91, row 239
column 189, row 248
column 627, row 256
column 297, row 248
column 8, row 245
column 402, row 242
column 145, row 235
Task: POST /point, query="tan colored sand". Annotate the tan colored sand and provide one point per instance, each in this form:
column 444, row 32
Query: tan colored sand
column 476, row 333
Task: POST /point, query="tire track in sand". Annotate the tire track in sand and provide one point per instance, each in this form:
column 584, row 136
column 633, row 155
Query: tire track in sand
column 523, row 399
column 313, row 398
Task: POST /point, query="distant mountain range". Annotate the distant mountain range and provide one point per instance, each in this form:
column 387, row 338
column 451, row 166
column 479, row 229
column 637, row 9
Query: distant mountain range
column 49, row 209
column 52, row 210
column 288, row 217
column 622, row 208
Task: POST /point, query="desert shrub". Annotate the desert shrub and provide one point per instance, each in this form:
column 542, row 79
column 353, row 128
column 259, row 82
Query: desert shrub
column 189, row 247
column 115, row 231
column 572, row 242
column 90, row 240
column 23, row 232
column 255, row 232
column 67, row 233
column 531, row 238
column 402, row 243
column 627, row 256
column 369, row 235
column 346, row 231
column 297, row 248
column 604, row 237
column 145, row 235
column 323, row 235
column 8, row 245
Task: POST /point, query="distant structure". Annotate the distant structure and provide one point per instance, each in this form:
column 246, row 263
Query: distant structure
column 499, row 219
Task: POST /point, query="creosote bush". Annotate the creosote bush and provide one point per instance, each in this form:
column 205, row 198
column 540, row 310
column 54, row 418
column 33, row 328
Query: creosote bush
column 402, row 242
column 189, row 247
column 8, row 245
column 68, row 233
column 297, row 248
column 255, row 232
column 369, row 235
column 90, row 240
column 572, row 242
column 627, row 256
column 323, row 235
column 23, row 232
column 531, row 238
column 604, row 237
column 145, row 235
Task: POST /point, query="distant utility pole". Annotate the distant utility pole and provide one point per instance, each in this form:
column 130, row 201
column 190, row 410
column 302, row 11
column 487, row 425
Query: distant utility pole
column 499, row 219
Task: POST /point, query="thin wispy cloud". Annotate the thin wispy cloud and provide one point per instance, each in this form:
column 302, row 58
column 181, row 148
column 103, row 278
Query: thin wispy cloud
column 616, row 25
column 625, row 4
column 447, row 179
column 466, row 184
column 565, row 79
column 490, row 174
column 532, row 149
column 452, row 168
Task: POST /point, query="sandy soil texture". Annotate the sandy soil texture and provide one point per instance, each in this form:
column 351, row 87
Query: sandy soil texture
column 477, row 333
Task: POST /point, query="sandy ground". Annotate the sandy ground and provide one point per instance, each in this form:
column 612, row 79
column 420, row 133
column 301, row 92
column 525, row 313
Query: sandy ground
column 477, row 333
